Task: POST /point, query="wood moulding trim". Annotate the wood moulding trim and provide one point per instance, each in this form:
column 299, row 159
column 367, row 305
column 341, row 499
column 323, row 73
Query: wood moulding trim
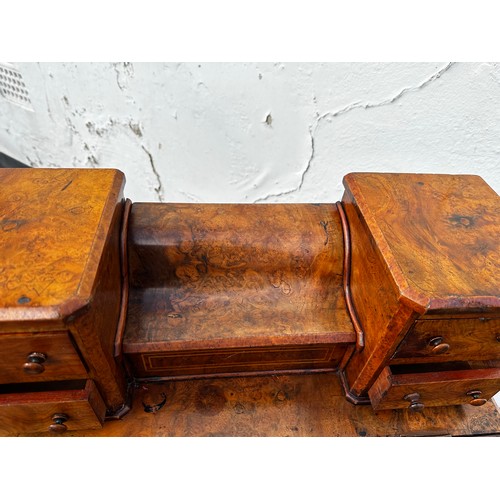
column 360, row 335
column 121, row 411
column 382, row 247
column 327, row 351
column 260, row 373
column 125, row 280
column 352, row 398
column 234, row 342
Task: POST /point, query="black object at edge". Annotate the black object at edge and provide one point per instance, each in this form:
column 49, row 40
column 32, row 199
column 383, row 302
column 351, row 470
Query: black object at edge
column 8, row 162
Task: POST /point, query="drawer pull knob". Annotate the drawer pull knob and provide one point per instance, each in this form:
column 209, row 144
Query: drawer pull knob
column 34, row 363
column 414, row 399
column 58, row 426
column 438, row 346
column 476, row 399
column 498, row 337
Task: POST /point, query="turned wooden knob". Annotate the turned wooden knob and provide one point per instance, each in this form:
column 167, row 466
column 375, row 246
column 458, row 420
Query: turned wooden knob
column 34, row 363
column 414, row 399
column 476, row 399
column 438, row 346
column 58, row 426
column 498, row 337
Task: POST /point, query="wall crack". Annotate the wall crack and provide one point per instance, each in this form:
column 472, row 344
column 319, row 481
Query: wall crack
column 389, row 100
column 302, row 176
column 159, row 188
column 346, row 109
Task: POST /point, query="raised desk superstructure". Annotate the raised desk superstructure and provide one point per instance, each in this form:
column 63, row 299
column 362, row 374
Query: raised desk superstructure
column 395, row 289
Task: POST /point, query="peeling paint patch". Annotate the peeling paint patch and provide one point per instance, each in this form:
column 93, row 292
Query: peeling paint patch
column 70, row 125
column 91, row 159
column 31, row 163
column 93, row 129
column 136, row 128
column 123, row 71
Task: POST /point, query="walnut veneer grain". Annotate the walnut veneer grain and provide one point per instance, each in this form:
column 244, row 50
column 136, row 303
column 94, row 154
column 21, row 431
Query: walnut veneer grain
column 426, row 247
column 235, row 288
column 283, row 405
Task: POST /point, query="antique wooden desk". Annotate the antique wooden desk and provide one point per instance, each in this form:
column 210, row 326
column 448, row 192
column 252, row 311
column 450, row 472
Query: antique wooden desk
column 392, row 292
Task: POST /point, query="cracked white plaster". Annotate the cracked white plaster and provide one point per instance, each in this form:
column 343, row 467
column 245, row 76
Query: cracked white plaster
column 302, row 176
column 159, row 188
column 346, row 109
column 244, row 132
column 388, row 100
column 124, row 71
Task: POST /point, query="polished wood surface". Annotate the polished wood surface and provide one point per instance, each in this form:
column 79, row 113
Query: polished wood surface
column 61, row 270
column 96, row 290
column 95, row 331
column 435, row 388
column 426, row 247
column 218, row 288
column 188, row 363
column 33, row 412
column 467, row 339
column 53, row 225
column 282, row 405
column 384, row 319
column 346, row 283
column 62, row 361
column 438, row 235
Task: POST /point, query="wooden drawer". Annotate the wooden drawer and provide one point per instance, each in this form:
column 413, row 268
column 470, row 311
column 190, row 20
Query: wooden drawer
column 62, row 361
column 237, row 360
column 450, row 340
column 395, row 389
column 34, row 412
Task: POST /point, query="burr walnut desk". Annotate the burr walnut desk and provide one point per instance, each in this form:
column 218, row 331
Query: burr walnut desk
column 395, row 290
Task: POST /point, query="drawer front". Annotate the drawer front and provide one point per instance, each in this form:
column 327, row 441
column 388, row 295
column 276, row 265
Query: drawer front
column 237, row 360
column 36, row 412
column 39, row 357
column 451, row 340
column 411, row 390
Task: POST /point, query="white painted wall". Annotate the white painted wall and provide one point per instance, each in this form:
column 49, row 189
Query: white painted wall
column 198, row 132
column 245, row 132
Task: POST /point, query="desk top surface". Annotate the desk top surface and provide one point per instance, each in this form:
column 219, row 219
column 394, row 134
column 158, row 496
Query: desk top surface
column 281, row 405
column 53, row 226
column 438, row 234
column 230, row 275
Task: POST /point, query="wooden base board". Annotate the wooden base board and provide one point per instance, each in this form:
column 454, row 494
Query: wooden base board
column 282, row 405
